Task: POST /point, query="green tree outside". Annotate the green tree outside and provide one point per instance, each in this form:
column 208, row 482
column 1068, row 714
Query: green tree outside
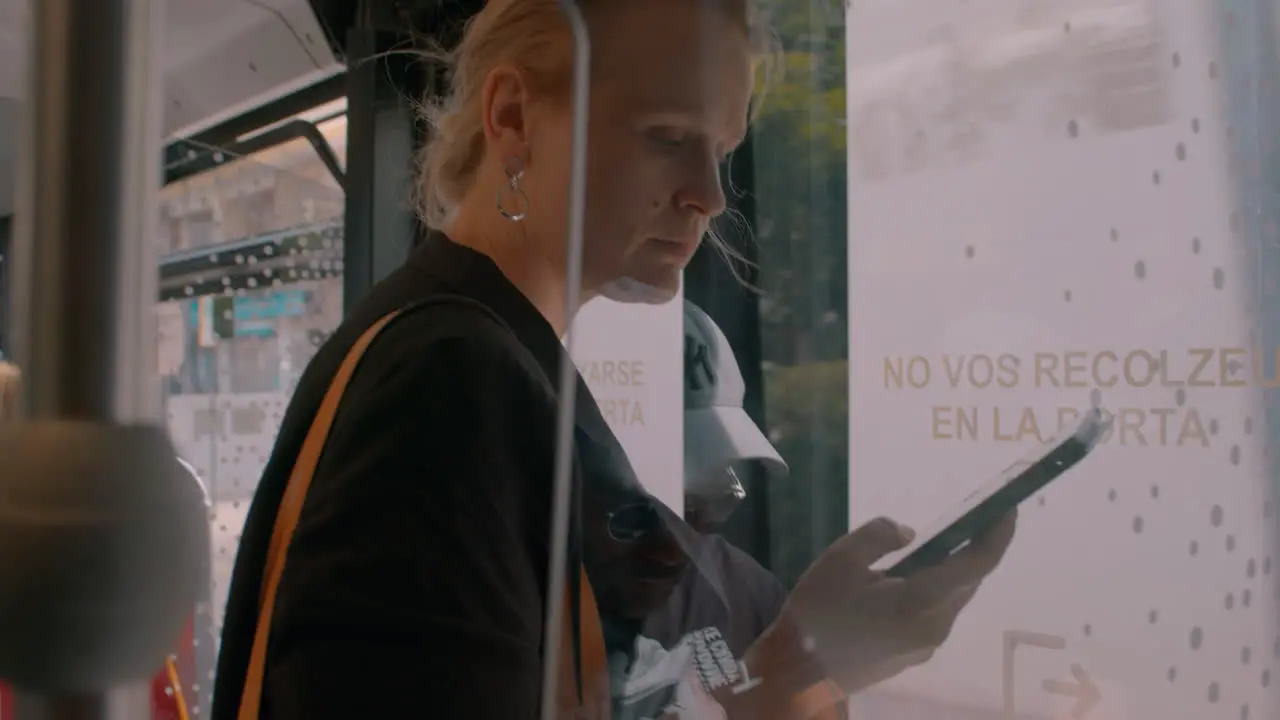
column 801, row 188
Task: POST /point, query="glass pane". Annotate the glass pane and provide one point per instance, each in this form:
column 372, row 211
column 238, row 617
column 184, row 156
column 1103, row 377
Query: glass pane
column 251, row 285
column 800, row 226
column 984, row 218
column 669, row 448
column 972, row 222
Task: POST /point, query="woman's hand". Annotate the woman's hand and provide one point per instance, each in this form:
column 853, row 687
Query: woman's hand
column 846, row 626
column 863, row 627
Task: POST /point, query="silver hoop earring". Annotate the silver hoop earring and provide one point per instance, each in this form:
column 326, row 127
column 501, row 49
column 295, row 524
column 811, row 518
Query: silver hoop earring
column 513, row 204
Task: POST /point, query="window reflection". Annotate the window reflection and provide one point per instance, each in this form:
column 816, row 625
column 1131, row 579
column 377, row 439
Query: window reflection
column 251, row 285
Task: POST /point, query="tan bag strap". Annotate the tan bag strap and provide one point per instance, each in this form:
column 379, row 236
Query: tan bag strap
column 290, row 510
column 595, row 700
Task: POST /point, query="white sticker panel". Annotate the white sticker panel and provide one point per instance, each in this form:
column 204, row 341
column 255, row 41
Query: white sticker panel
column 1051, row 202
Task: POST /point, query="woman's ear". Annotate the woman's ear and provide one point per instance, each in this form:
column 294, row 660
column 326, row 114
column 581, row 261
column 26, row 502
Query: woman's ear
column 504, row 112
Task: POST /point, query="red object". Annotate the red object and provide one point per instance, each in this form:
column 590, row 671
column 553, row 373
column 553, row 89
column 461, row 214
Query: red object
column 164, row 698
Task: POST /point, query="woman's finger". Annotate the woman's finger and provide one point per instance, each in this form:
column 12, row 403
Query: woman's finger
column 872, row 541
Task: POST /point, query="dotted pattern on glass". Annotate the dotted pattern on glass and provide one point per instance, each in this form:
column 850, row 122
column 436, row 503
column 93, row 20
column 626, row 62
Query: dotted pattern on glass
column 1114, row 196
column 251, row 286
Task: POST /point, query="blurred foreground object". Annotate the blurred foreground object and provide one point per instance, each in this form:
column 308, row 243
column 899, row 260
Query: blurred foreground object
column 103, row 535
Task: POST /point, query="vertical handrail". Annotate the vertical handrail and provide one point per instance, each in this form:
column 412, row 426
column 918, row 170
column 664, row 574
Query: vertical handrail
column 84, row 284
column 89, row 175
column 563, row 476
column 137, row 393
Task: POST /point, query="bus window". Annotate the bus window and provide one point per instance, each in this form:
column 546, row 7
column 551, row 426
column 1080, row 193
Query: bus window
column 969, row 222
column 250, row 286
column 973, row 221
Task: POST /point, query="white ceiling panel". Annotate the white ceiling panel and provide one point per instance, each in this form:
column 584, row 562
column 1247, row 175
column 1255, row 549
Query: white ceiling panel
column 222, row 58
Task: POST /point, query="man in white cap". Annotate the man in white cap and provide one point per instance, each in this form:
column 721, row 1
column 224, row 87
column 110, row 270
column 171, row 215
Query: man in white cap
column 721, row 442
column 724, row 600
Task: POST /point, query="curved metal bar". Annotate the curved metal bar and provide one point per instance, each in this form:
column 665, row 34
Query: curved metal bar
column 273, row 137
column 563, row 477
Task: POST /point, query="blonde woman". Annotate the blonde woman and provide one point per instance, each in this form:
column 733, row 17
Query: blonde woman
column 416, row 582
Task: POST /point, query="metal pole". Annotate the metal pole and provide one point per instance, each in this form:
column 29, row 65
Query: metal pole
column 562, row 485
column 91, row 494
column 379, row 227
column 80, row 239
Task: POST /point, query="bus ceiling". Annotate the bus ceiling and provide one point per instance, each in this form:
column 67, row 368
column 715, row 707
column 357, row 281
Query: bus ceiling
column 442, row 19
column 222, row 59
column 353, row 29
column 238, row 66
column 243, row 76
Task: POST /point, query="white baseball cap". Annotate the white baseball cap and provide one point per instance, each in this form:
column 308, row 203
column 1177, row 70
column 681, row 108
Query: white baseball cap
column 719, row 436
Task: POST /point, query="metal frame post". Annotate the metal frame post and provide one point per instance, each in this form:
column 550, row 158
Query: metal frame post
column 380, row 227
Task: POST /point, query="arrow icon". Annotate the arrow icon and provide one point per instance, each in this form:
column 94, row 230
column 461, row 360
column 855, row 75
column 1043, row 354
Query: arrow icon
column 1083, row 690
column 1014, row 638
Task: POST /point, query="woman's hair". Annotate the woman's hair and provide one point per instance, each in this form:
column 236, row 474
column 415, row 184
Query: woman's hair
column 533, row 35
